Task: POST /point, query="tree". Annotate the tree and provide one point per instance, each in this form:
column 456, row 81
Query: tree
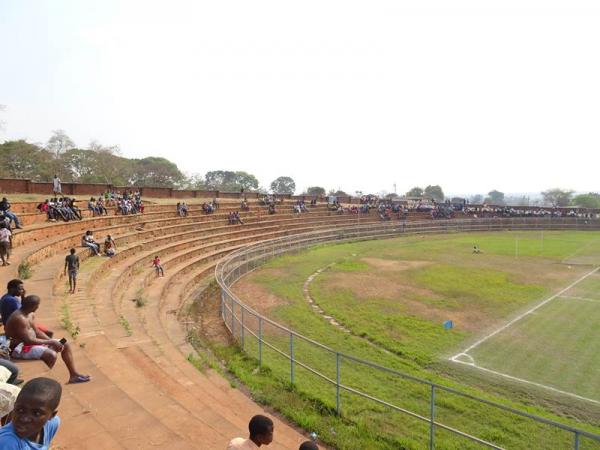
column 59, row 143
column 245, row 180
column 590, row 200
column 435, row 192
column 20, row 159
column 283, row 185
column 226, row 180
column 415, row 192
column 557, row 197
column 476, row 199
column 156, row 171
column 337, row 193
column 315, row 190
column 195, row 181
column 495, row 197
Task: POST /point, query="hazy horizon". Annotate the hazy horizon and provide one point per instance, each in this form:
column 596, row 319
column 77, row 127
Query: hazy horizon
column 473, row 97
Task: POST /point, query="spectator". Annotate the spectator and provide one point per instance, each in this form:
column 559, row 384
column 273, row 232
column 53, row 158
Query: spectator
column 88, row 241
column 5, row 209
column 29, row 342
column 5, row 243
column 158, row 266
column 56, row 188
column 91, row 206
column 72, row 266
column 34, row 421
column 110, row 247
column 309, row 445
column 11, row 301
column 261, row 433
column 100, row 208
column 9, row 365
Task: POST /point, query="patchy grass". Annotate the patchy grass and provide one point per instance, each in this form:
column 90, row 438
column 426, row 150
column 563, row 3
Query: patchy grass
column 25, row 271
column 125, row 324
column 495, row 282
column 139, row 299
column 66, row 321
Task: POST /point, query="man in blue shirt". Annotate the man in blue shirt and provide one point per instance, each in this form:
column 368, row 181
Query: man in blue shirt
column 34, row 420
column 11, row 301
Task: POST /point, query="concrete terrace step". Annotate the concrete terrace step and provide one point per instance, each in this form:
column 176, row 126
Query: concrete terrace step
column 143, row 385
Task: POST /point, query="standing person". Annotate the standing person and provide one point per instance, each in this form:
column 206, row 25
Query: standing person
column 34, row 421
column 56, row 187
column 72, row 266
column 158, row 267
column 261, row 433
column 28, row 342
column 5, row 243
column 5, row 209
column 309, row 445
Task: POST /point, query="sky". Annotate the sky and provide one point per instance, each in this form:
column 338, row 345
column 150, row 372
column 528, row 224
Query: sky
column 369, row 96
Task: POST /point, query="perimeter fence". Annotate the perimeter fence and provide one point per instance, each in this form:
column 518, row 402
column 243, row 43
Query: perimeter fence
column 443, row 416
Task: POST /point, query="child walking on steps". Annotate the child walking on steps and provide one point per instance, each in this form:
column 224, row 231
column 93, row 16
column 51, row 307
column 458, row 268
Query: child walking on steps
column 158, row 267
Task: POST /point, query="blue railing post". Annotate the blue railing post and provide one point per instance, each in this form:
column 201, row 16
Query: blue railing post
column 576, row 443
column 291, row 358
column 337, row 383
column 260, row 332
column 432, row 419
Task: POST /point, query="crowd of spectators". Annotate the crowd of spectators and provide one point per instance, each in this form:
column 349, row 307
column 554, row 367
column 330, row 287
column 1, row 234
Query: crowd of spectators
column 96, row 207
column 508, row 211
column 210, row 207
column 61, row 208
column 300, row 207
column 182, row 209
column 234, row 218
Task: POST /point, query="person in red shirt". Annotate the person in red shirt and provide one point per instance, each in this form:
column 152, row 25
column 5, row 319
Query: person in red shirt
column 158, row 267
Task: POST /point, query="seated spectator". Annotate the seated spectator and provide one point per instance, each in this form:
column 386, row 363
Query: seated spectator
column 5, row 243
column 100, row 208
column 261, row 433
column 88, row 241
column 272, row 209
column 91, row 206
column 11, row 301
column 236, row 218
column 8, row 364
column 34, row 421
column 5, row 209
column 244, row 206
column 28, row 342
column 184, row 209
column 110, row 248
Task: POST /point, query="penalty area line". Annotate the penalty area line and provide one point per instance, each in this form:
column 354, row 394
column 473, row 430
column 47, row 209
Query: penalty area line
column 526, row 313
column 522, row 380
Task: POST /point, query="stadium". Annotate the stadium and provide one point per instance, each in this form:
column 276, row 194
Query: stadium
column 421, row 331
column 311, row 225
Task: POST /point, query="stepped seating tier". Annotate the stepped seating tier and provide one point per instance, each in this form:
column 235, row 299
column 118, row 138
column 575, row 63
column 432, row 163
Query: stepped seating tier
column 144, row 392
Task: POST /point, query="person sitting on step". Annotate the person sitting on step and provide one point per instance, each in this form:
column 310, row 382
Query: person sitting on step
column 28, row 342
column 261, row 433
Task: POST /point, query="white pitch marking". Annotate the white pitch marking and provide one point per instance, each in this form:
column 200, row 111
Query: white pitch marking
column 519, row 317
column 522, row 380
column 595, row 300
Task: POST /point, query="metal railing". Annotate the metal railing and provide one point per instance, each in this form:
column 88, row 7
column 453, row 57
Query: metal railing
column 246, row 324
